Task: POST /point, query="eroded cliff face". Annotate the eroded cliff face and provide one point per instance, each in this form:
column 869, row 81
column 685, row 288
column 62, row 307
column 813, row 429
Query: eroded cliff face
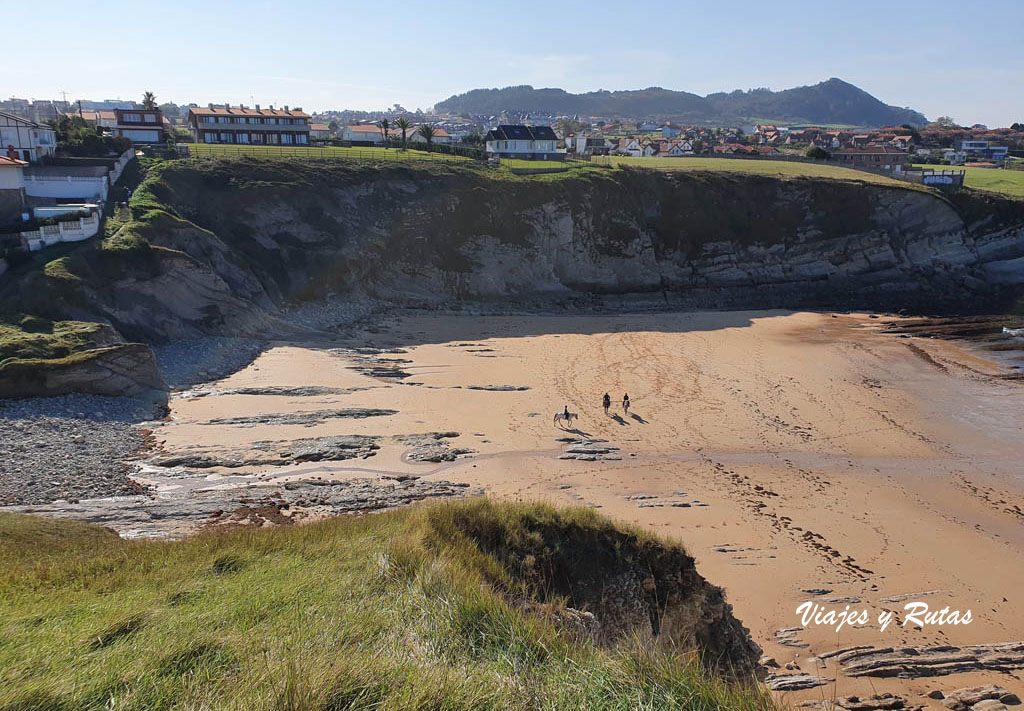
column 413, row 236
column 219, row 247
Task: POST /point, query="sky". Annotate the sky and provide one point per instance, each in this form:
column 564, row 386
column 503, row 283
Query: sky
column 964, row 60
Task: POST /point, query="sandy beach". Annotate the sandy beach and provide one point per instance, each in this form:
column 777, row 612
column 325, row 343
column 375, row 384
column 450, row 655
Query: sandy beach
column 799, row 456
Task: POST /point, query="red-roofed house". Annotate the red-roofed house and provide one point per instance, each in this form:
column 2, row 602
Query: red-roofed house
column 363, row 133
column 245, row 126
column 319, row 130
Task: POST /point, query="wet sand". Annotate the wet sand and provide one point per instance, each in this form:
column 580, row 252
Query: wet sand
column 789, row 452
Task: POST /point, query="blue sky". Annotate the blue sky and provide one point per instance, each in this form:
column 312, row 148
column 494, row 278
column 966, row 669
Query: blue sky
column 961, row 59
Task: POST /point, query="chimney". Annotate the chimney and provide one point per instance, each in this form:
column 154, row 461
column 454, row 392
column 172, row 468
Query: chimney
column 257, row 107
column 211, row 106
column 286, row 107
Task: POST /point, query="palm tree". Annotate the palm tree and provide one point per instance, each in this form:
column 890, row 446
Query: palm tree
column 149, row 100
column 403, row 125
column 427, row 131
column 384, row 126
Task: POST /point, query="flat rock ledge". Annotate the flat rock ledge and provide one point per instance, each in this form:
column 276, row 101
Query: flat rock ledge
column 313, row 449
column 175, row 514
column 277, row 390
column 307, row 419
column 589, row 450
column 499, row 388
column 433, row 447
column 794, row 682
column 980, row 698
column 875, row 702
column 939, row 660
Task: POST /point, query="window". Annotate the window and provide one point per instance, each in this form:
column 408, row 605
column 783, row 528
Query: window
column 241, row 138
column 225, row 138
column 301, row 138
column 209, row 137
column 257, row 138
column 272, row 121
column 286, row 138
column 150, row 118
column 131, row 118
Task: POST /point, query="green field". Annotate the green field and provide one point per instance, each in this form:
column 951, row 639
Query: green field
column 359, row 153
column 425, row 608
column 1007, row 182
column 753, row 166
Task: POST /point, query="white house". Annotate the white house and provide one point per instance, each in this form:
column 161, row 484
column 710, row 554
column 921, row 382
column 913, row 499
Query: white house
column 678, row 149
column 363, row 133
column 319, row 130
column 523, row 142
column 12, row 189
column 29, row 140
column 413, row 135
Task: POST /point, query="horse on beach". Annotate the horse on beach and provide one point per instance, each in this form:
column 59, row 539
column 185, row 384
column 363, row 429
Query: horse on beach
column 566, row 417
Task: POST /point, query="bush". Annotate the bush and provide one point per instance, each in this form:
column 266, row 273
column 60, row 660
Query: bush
column 818, row 153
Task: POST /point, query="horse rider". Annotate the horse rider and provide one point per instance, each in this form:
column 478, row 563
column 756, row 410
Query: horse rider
column 565, row 413
column 606, row 402
column 625, row 403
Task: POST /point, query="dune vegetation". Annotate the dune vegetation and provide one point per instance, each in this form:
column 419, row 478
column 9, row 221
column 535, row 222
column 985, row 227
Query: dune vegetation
column 444, row 606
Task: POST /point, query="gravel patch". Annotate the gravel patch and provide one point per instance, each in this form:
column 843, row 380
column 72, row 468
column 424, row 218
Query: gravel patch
column 70, row 447
column 190, row 361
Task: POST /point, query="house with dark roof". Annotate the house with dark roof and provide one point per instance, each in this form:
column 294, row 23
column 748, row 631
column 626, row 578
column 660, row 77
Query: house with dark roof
column 25, row 139
column 139, row 125
column 523, row 142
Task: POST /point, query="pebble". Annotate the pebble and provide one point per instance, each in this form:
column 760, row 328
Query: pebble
column 69, row 447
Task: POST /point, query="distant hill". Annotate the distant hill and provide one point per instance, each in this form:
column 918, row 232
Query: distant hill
column 830, row 102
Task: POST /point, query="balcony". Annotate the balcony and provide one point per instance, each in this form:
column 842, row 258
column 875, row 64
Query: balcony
column 250, row 127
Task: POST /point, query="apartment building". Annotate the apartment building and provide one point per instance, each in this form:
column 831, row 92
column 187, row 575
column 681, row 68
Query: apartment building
column 249, row 126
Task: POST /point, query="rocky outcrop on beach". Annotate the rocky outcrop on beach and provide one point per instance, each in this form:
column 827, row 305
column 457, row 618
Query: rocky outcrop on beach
column 123, row 369
column 937, row 660
column 433, row 447
column 306, row 419
column 175, row 513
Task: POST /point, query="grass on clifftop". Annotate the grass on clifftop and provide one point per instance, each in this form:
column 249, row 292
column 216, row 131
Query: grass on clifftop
column 758, row 166
column 390, row 611
column 996, row 180
column 33, row 338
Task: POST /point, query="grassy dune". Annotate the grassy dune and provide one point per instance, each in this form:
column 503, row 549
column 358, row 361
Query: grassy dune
column 394, row 611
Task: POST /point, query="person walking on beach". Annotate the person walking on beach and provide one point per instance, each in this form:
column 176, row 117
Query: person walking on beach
column 606, row 402
column 625, row 403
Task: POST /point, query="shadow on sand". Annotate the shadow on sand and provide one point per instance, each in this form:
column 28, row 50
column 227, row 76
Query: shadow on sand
column 638, row 418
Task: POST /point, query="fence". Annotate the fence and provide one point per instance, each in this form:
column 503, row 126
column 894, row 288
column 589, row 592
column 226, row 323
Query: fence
column 68, row 231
